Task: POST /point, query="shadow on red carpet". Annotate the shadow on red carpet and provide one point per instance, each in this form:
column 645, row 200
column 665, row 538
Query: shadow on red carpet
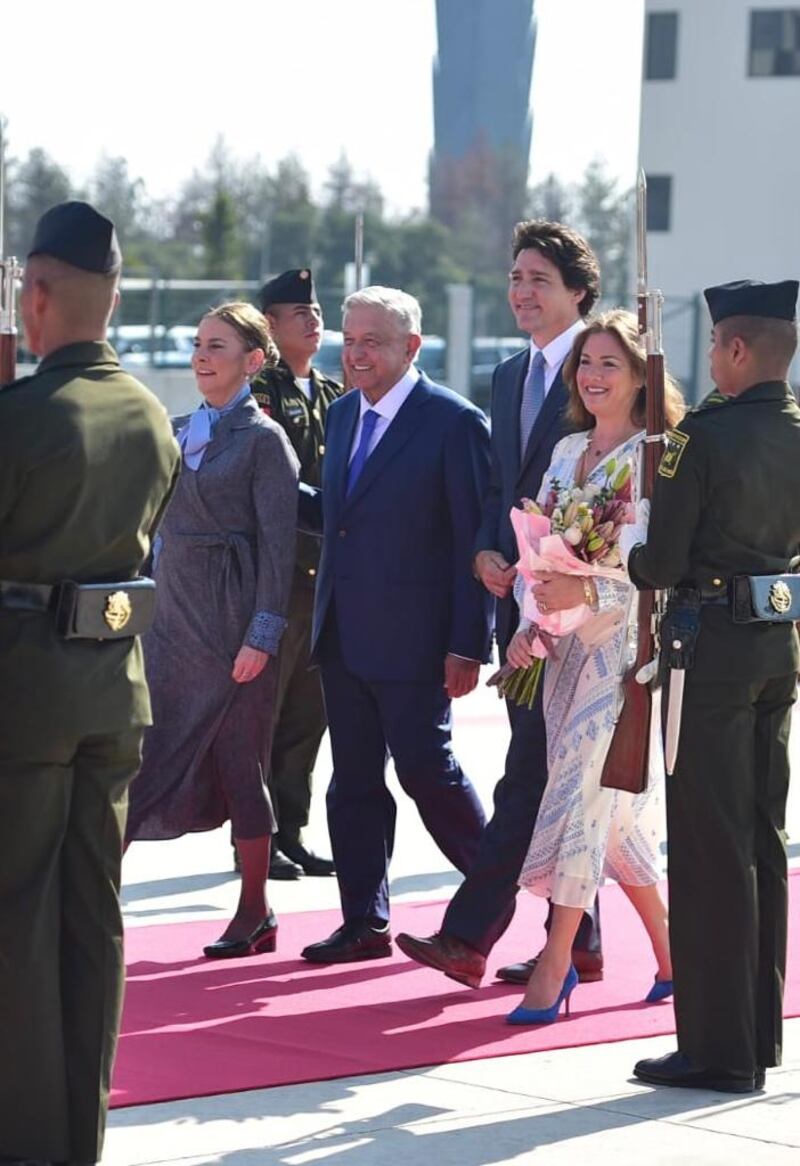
column 194, row 1027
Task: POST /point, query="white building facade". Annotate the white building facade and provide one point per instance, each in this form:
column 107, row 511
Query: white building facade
column 720, row 144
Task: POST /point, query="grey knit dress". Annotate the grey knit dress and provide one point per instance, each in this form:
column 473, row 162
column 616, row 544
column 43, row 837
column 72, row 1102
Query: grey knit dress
column 223, row 568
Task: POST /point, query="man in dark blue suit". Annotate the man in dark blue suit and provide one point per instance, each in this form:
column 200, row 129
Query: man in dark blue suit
column 553, row 284
column 401, row 624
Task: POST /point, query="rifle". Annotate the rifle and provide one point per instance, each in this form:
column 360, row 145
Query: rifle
column 10, row 272
column 627, row 761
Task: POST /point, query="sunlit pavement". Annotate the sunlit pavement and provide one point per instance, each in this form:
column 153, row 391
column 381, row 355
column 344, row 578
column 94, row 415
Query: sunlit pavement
column 555, row 1107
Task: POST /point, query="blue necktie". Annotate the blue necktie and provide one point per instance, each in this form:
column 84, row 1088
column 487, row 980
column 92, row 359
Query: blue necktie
column 368, row 423
column 532, row 400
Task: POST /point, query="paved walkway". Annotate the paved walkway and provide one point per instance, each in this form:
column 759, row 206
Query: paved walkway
column 557, row 1107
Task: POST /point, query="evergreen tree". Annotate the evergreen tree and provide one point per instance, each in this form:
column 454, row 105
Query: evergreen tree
column 34, row 185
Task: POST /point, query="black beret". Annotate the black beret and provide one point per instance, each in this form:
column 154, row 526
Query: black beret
column 76, row 233
column 751, row 297
column 291, row 287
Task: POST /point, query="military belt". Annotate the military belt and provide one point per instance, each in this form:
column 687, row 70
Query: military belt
column 758, row 598
column 86, row 611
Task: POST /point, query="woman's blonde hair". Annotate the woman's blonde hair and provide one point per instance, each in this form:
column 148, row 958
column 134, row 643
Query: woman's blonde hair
column 250, row 326
column 624, row 327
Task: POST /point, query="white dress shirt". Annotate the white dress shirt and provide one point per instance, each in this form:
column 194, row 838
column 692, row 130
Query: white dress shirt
column 556, row 352
column 387, row 409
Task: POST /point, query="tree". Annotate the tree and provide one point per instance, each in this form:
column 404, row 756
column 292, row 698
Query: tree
column 416, row 255
column 282, row 218
column 221, row 238
column 551, row 199
column 605, row 215
column 34, row 186
column 122, row 198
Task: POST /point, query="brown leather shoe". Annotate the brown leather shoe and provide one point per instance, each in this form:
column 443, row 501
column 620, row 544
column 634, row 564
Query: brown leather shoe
column 588, row 965
column 447, row 954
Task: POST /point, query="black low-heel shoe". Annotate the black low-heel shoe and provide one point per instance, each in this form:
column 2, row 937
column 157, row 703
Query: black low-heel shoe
column 263, row 939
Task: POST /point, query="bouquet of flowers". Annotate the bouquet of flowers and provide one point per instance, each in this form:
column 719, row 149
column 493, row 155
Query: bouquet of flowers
column 574, row 532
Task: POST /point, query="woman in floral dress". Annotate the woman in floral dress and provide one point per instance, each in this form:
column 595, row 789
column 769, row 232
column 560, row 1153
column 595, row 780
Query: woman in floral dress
column 584, row 832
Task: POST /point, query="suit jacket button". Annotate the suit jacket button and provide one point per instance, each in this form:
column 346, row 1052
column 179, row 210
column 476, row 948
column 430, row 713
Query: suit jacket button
column 311, row 572
column 342, row 533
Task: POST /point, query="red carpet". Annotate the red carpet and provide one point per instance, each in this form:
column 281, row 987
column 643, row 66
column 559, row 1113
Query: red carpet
column 193, row 1027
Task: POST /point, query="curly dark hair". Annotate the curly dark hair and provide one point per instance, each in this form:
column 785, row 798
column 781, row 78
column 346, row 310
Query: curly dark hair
column 568, row 250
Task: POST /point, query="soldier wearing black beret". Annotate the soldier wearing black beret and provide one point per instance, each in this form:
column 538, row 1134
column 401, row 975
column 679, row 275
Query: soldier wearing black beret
column 724, row 534
column 297, row 396
column 87, row 460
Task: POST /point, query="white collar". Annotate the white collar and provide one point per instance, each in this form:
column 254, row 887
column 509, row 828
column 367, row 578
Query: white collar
column 390, row 403
column 557, row 351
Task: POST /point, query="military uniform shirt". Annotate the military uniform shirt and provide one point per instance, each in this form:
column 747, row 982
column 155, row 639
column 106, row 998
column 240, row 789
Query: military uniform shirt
column 725, row 504
column 279, row 394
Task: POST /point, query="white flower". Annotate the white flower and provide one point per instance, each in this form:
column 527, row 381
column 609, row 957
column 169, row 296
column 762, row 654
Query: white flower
column 573, row 536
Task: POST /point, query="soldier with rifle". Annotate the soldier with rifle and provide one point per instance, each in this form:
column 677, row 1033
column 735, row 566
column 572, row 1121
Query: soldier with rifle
column 724, row 534
column 87, row 461
column 297, row 396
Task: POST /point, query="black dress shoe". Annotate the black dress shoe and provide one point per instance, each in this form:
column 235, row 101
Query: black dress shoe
column 588, row 965
column 263, row 938
column 680, row 1071
column 281, row 867
column 349, row 943
column 309, row 862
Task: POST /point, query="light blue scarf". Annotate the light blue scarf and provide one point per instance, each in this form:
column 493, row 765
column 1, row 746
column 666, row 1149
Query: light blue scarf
column 196, row 435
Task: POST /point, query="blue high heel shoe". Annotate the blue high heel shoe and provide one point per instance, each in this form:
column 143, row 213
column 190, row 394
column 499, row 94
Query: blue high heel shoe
column 660, row 991
column 522, row 1015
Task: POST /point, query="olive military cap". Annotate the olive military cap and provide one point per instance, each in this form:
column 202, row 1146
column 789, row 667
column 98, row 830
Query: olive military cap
column 76, row 233
column 752, row 297
column 291, row 287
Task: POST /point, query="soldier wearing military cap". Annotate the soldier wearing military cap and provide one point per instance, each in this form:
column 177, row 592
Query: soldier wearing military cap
column 297, row 396
column 87, row 461
column 724, row 535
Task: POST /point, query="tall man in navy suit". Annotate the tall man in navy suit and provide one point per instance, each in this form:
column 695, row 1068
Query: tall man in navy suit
column 553, row 284
column 401, row 624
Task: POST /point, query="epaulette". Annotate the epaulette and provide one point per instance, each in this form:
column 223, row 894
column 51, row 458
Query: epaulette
column 714, row 399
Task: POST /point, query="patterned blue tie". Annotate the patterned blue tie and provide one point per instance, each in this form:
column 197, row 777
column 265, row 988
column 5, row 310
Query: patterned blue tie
column 368, row 423
column 532, row 400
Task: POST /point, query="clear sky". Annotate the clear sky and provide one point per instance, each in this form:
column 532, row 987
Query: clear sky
column 158, row 80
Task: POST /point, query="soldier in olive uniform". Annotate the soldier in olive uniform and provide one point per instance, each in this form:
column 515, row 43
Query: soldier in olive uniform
column 724, row 529
column 297, row 396
column 87, row 460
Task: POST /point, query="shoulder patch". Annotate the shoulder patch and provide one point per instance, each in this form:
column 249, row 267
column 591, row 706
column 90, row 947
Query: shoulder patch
column 263, row 402
column 670, row 459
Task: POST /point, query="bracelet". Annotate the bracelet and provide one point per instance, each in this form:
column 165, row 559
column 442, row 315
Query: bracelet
column 588, row 594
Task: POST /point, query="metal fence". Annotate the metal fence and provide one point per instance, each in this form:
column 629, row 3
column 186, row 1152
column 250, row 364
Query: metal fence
column 156, row 319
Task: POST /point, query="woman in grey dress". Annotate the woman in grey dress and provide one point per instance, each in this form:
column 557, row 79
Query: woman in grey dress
column 223, row 562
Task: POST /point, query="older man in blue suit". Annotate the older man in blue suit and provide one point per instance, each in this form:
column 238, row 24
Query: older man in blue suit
column 401, row 624
column 553, row 284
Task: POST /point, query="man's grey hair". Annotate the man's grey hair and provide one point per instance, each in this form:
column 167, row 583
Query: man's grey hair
column 399, row 304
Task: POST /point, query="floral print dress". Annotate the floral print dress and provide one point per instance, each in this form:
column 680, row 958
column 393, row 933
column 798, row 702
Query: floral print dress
column 584, row 833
